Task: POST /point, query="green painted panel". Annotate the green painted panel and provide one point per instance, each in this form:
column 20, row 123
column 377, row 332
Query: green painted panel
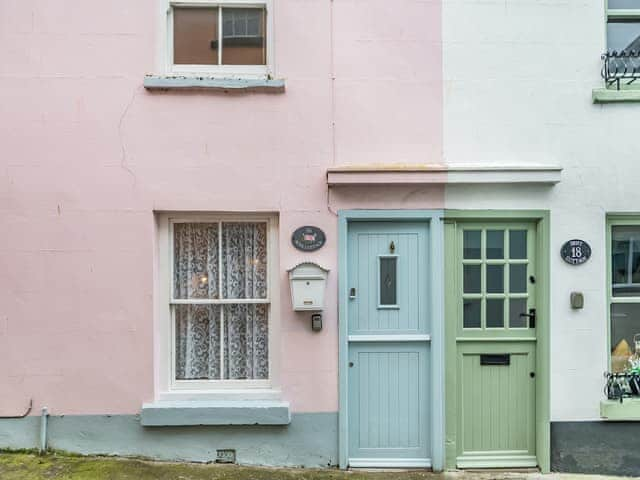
column 497, row 402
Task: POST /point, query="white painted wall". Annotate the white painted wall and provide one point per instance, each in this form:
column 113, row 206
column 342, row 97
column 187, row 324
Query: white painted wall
column 518, row 76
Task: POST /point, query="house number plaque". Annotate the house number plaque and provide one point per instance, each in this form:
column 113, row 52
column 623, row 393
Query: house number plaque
column 308, row 239
column 575, row 252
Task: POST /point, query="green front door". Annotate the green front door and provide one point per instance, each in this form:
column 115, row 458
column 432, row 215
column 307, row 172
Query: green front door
column 495, row 286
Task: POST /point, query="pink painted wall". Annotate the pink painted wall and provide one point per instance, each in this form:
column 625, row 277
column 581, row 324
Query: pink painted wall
column 88, row 155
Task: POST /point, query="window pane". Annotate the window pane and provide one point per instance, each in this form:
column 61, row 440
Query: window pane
column 197, row 342
column 244, row 260
column 495, row 278
column 495, row 244
column 518, row 278
column 471, row 240
column 623, row 35
column 517, row 306
column 471, row 280
column 625, row 323
column 517, row 244
column 471, row 314
column 625, row 261
column 195, row 260
column 388, row 276
column 243, row 36
column 195, row 36
column 629, row 4
column 495, row 313
column 246, row 342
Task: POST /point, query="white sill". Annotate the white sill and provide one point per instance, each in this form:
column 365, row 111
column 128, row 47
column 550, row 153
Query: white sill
column 220, row 412
column 204, row 82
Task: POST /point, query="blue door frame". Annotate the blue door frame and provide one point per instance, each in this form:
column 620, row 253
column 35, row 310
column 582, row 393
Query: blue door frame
column 436, row 278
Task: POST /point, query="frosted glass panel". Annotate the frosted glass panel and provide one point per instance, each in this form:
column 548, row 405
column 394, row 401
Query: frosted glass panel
column 388, row 280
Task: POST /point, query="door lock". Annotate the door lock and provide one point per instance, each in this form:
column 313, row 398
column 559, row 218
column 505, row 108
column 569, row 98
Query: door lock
column 531, row 316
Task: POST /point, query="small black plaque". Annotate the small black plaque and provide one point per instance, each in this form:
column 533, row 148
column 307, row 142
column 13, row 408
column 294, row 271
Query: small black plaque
column 308, row 239
column 575, row 252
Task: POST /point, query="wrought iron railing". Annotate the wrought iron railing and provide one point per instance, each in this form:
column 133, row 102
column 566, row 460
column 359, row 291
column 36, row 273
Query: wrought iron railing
column 621, row 67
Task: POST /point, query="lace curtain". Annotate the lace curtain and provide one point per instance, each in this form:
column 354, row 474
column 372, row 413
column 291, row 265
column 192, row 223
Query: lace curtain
column 215, row 341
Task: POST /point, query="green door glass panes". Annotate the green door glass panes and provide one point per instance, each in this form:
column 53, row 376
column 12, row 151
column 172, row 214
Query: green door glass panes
column 496, row 278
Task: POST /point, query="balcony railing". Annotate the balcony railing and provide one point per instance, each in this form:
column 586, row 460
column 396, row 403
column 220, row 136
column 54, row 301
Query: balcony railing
column 621, row 67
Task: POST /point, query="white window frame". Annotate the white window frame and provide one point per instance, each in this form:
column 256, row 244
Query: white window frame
column 165, row 52
column 167, row 387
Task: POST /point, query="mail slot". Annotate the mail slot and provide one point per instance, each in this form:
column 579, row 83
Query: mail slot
column 495, row 359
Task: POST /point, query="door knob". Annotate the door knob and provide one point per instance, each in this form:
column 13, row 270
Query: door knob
column 350, row 364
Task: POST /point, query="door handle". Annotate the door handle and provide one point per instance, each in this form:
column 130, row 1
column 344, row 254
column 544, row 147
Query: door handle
column 352, row 293
column 531, row 316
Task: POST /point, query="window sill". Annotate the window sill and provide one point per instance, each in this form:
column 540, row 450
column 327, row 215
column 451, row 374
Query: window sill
column 606, row 95
column 221, row 412
column 613, row 410
column 167, row 82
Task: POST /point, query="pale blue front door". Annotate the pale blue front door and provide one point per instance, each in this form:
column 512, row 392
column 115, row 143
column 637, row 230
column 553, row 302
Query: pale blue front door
column 388, row 375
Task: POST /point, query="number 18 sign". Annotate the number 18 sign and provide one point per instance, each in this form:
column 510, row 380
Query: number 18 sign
column 575, row 252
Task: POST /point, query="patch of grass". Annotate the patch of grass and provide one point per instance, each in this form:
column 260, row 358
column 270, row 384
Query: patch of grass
column 28, row 466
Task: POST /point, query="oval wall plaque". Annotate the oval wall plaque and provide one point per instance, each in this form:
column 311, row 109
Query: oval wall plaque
column 308, row 238
column 575, row 252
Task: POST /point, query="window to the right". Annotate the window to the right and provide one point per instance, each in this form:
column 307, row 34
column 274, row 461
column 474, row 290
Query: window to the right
column 624, row 291
column 621, row 67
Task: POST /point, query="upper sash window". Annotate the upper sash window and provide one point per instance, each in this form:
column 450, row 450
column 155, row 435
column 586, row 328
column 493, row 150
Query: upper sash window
column 222, row 38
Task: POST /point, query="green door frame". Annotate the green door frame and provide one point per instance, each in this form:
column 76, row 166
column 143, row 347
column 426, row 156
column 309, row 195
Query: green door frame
column 542, row 220
column 436, row 256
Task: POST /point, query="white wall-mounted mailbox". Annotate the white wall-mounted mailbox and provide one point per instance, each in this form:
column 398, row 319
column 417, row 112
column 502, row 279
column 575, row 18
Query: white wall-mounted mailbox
column 308, row 283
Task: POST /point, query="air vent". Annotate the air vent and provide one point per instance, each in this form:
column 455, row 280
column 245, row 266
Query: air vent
column 226, row 456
